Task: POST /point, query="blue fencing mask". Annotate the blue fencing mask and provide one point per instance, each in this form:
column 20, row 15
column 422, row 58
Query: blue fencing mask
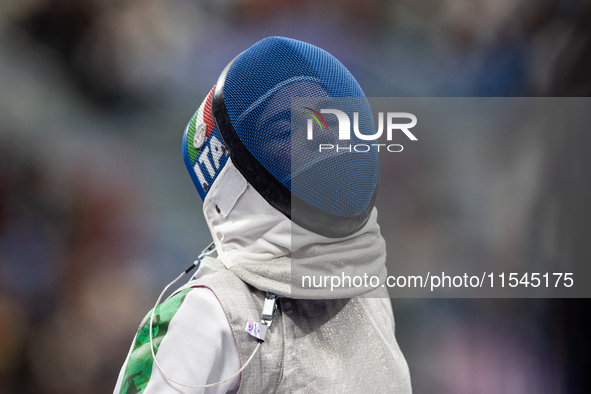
column 272, row 113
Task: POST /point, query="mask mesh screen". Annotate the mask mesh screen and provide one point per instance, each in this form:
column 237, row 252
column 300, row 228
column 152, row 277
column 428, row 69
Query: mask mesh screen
column 263, row 94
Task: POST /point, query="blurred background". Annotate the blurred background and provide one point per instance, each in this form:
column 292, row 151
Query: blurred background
column 97, row 212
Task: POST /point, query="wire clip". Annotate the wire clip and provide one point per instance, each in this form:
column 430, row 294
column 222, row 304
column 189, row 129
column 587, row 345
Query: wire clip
column 259, row 330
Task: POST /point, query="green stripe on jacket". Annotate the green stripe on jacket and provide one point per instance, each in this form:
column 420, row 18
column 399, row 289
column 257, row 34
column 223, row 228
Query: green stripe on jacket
column 139, row 365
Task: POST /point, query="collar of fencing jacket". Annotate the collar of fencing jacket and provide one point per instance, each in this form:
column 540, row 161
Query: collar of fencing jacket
column 270, row 252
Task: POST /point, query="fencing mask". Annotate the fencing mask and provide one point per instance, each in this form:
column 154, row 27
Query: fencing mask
column 281, row 111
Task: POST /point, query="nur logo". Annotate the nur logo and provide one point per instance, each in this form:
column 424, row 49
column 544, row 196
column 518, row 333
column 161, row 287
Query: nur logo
column 345, row 129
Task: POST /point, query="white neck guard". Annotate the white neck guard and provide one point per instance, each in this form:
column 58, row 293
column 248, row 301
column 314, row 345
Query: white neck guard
column 250, row 235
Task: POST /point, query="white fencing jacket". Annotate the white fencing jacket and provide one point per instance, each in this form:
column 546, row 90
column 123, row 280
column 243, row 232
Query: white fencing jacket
column 325, row 341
